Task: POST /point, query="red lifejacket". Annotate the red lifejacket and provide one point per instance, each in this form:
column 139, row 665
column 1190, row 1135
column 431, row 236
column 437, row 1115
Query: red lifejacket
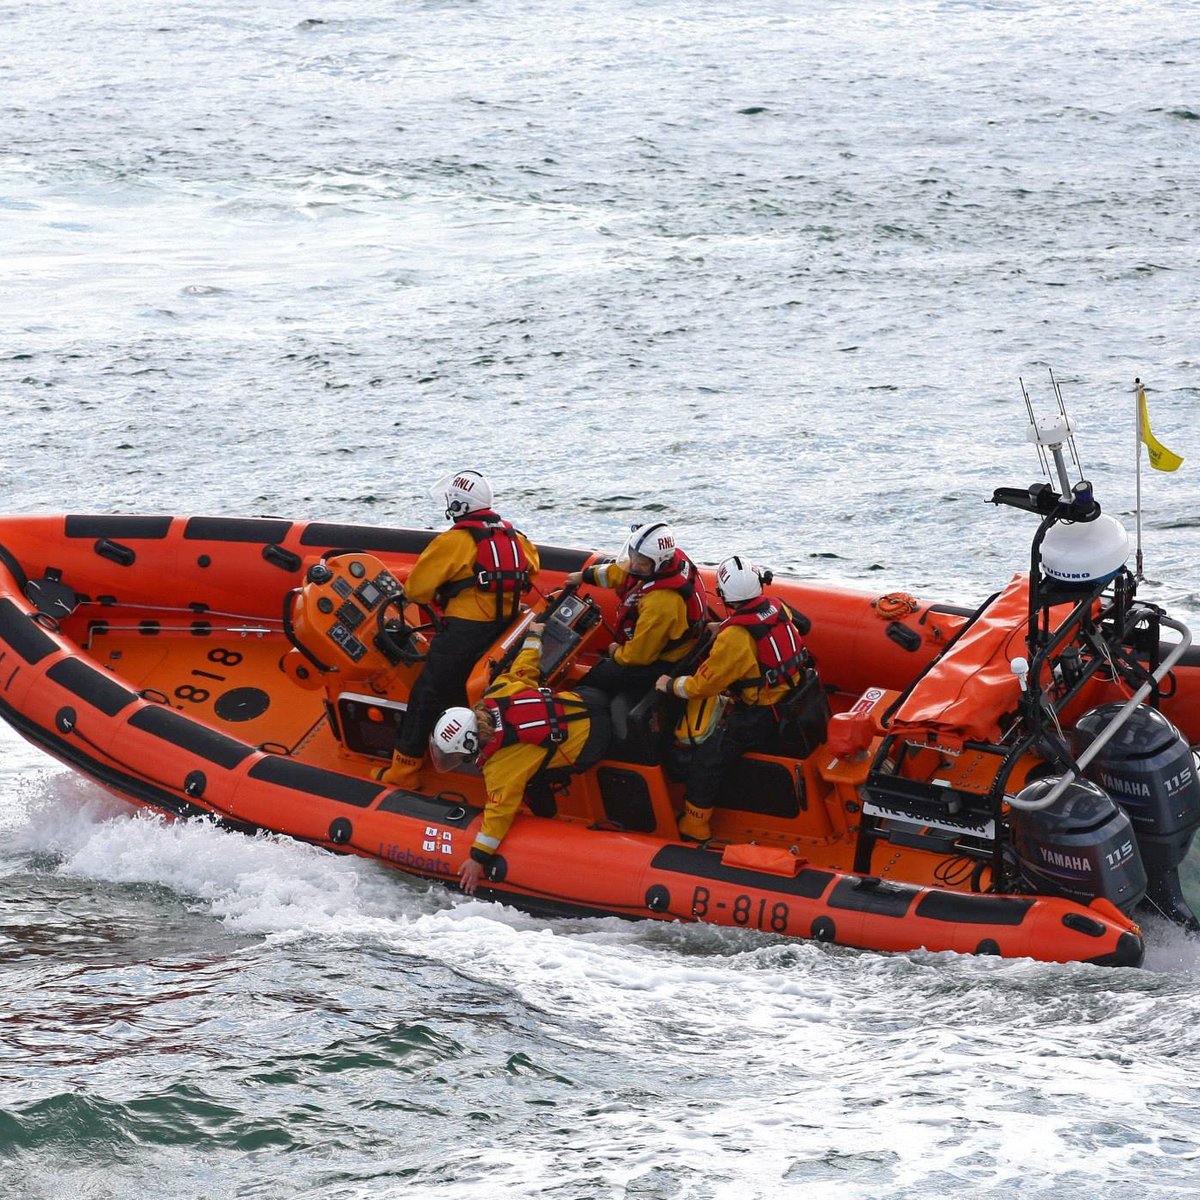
column 535, row 716
column 501, row 566
column 778, row 645
column 679, row 576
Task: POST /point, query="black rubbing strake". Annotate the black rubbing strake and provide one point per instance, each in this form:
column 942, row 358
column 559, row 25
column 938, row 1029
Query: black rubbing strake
column 706, row 865
column 19, row 631
column 455, row 812
column 236, row 529
column 99, row 689
column 562, row 558
column 315, row 781
column 190, row 735
column 366, row 537
column 872, row 895
column 100, row 526
column 961, row 909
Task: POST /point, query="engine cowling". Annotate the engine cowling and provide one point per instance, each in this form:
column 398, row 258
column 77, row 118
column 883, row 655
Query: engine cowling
column 1082, row 846
column 1149, row 770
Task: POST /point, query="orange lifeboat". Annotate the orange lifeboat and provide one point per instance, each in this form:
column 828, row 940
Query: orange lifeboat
column 256, row 671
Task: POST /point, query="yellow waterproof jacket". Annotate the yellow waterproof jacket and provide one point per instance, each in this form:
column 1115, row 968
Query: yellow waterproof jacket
column 510, row 768
column 662, row 618
column 731, row 659
column 449, row 558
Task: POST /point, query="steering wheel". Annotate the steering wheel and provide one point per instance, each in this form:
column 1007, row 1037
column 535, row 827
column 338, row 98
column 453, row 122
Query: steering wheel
column 395, row 637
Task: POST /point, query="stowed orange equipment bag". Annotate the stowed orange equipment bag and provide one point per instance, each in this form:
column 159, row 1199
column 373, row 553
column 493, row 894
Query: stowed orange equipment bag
column 965, row 693
column 771, row 859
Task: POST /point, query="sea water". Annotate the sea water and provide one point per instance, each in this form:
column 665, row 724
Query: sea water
column 771, row 272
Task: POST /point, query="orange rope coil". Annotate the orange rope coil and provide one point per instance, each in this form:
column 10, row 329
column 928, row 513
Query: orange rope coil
column 895, row 606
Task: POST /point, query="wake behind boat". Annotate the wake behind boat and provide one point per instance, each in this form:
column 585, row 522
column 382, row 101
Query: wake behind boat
column 1014, row 780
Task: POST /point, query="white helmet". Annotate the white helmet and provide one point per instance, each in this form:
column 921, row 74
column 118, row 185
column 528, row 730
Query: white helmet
column 655, row 540
column 465, row 492
column 454, row 740
column 738, row 579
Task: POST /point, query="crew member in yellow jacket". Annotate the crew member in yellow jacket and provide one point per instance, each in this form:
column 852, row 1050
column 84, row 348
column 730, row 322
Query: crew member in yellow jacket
column 757, row 658
column 661, row 611
column 518, row 731
column 475, row 572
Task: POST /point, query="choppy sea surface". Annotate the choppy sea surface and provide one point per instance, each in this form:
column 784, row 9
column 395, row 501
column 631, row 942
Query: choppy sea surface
column 772, row 271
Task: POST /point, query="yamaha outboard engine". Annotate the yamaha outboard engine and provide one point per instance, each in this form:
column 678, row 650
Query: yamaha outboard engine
column 1148, row 769
column 1081, row 847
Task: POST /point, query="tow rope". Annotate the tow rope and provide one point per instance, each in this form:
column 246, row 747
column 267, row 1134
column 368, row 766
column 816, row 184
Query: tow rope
column 895, row 606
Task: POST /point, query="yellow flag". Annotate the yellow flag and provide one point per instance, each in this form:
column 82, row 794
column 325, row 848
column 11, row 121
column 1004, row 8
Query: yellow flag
column 1161, row 459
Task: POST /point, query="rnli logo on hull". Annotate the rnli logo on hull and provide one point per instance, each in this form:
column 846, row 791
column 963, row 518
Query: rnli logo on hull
column 437, row 847
column 433, row 836
column 402, row 856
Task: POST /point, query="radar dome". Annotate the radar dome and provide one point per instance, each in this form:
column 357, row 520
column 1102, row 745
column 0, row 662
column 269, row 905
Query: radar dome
column 1085, row 551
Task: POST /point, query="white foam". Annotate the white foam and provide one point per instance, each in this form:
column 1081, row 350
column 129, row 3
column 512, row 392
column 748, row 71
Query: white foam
column 263, row 884
column 1171, row 948
column 56, row 812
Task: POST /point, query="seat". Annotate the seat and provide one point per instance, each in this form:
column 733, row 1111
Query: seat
column 637, row 730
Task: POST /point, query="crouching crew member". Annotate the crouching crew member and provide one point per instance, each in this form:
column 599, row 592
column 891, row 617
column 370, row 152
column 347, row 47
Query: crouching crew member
column 515, row 733
column 757, row 658
column 661, row 614
column 475, row 572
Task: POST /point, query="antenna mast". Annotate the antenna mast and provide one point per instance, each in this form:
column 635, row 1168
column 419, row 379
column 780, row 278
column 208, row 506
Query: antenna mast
column 1051, row 434
column 1137, row 470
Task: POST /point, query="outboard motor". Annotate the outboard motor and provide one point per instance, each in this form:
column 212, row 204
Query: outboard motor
column 1081, row 847
column 1148, row 769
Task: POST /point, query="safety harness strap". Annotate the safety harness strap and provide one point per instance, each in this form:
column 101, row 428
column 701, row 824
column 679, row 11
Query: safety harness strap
column 782, row 657
column 501, row 567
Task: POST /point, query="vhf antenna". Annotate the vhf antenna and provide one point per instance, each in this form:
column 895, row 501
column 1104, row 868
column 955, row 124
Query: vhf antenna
column 1052, row 433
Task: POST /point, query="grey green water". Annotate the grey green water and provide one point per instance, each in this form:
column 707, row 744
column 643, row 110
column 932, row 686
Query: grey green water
column 772, row 272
